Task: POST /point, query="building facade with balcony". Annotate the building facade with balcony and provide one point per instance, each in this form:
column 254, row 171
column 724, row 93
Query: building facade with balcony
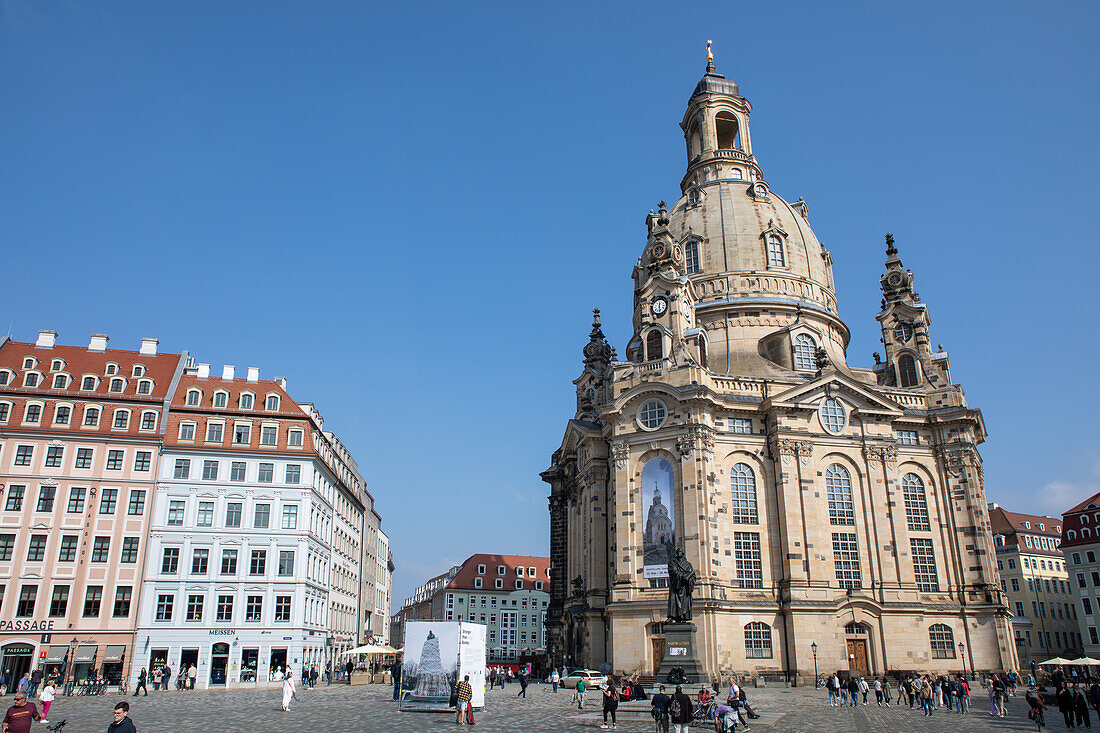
column 80, row 440
column 1039, row 589
column 1080, row 547
column 239, row 559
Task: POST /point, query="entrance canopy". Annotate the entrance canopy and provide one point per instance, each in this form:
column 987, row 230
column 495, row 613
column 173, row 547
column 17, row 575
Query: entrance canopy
column 85, row 654
column 56, row 654
column 114, row 653
column 1055, row 660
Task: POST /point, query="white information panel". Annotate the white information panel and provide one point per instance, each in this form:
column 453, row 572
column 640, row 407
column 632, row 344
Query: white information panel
column 471, row 659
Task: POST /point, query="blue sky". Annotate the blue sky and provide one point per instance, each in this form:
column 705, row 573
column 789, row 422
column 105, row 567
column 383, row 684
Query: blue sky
column 409, row 210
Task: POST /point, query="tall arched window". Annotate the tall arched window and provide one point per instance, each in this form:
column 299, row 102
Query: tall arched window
column 691, row 257
column 838, row 488
column 758, row 640
column 942, row 641
column 725, row 125
column 916, row 506
column 804, row 349
column 776, row 256
column 703, row 362
column 743, row 495
column 653, row 345
column 907, row 371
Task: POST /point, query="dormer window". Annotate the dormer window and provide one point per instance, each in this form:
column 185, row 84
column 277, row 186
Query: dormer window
column 117, row 385
column 1041, row 527
column 481, row 570
column 28, row 363
column 1027, row 525
column 145, row 386
column 221, row 399
column 139, row 370
column 501, row 570
column 519, row 572
column 193, row 397
column 57, row 365
column 776, row 256
column 30, row 379
column 4, row 377
column 112, row 369
column 88, row 383
column 805, row 349
column 691, row 257
column 246, row 401
column 91, row 417
column 60, row 381
column 272, row 402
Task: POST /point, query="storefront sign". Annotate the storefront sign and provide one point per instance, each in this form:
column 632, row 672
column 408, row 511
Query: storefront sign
column 221, row 632
column 26, row 625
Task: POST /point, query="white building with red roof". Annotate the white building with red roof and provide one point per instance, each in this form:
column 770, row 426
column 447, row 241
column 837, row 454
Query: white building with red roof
column 1080, row 545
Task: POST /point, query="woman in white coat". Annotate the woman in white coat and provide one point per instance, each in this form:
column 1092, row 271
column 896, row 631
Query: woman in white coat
column 288, row 690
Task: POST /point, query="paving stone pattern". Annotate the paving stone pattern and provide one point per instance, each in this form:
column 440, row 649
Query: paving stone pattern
column 371, row 708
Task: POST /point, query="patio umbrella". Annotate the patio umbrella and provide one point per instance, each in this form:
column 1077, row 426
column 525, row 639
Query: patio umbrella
column 1086, row 661
column 1055, row 660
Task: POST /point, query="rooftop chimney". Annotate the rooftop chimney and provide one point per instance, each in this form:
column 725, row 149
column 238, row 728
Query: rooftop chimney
column 253, row 374
column 149, row 347
column 228, row 371
column 98, row 342
column 204, row 371
column 281, row 381
column 46, row 339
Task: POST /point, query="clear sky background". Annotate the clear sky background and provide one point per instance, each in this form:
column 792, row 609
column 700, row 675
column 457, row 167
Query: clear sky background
column 409, row 210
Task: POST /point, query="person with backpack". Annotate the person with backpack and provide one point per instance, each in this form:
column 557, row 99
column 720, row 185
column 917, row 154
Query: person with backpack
column 659, row 711
column 853, row 691
column 522, row 685
column 679, row 711
column 610, row 703
column 831, row 685
column 464, row 693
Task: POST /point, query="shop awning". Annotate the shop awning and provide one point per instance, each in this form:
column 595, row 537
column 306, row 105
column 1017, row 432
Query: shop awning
column 56, row 654
column 114, row 653
column 85, row 653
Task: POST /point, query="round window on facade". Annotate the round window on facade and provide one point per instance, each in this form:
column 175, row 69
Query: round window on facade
column 833, row 417
column 652, row 415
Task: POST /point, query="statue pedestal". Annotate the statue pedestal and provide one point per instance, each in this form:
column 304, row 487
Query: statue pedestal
column 680, row 652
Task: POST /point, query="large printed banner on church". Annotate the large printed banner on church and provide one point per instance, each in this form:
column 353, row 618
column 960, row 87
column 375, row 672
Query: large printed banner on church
column 658, row 508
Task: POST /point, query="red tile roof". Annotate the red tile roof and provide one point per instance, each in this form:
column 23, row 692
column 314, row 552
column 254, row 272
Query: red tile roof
column 1081, row 524
column 466, row 574
column 1014, row 526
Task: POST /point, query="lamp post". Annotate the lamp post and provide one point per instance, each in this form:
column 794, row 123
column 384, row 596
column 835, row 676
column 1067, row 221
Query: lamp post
column 813, row 648
column 69, row 668
column 962, row 656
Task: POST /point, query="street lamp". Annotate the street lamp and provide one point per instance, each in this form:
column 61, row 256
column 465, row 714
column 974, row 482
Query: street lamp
column 69, row 669
column 813, row 648
column 962, row 655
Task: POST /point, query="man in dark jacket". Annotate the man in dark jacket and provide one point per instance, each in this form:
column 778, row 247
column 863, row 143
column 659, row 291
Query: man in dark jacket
column 1065, row 705
column 853, row 690
column 1080, row 707
column 122, row 722
column 660, row 709
column 680, row 711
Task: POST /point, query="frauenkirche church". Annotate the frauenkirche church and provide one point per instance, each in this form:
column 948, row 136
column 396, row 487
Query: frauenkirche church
column 819, row 503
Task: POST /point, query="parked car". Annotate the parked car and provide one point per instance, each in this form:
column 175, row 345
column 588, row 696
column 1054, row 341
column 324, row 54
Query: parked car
column 592, row 679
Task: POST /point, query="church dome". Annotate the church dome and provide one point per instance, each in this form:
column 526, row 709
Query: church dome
column 714, row 83
column 747, row 242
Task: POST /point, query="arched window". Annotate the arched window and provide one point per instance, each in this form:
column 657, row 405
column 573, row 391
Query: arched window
column 703, row 353
column 838, row 489
column 221, row 399
column 942, row 640
column 691, row 257
column 725, row 125
column 1084, row 519
column 272, row 402
column 193, row 397
column 1085, row 532
column 246, row 401
column 804, row 350
column 91, row 416
column 743, row 495
column 776, row 256
column 907, row 371
column 758, row 641
column 61, row 416
column 916, row 506
column 145, row 386
column 148, row 420
column 1071, row 534
column 654, row 345
column 695, row 141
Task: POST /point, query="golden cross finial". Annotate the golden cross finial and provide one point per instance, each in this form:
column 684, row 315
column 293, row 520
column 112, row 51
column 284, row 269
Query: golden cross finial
column 710, row 58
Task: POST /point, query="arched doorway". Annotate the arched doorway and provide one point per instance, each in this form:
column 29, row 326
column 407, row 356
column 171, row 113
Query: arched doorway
column 656, row 633
column 219, row 662
column 16, row 660
column 857, row 638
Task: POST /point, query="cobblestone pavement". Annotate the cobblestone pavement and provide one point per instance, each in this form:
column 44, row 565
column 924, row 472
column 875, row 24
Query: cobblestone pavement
column 370, row 708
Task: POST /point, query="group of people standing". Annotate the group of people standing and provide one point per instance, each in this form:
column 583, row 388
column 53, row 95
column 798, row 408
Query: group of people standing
column 927, row 691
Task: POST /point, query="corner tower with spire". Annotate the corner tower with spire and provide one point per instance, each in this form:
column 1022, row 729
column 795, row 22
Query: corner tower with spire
column 817, row 500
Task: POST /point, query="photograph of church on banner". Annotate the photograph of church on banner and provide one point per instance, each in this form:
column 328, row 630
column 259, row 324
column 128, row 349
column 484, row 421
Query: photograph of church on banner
column 429, row 670
column 658, row 508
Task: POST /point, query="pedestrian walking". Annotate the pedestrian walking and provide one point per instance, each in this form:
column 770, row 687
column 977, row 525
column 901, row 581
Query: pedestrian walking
column 141, row 683
column 1080, row 707
column 863, row 689
column 522, row 685
column 122, row 722
column 878, row 692
column 1065, row 705
column 167, row 676
column 886, row 692
column 830, row 685
column 158, row 674
column 582, row 687
column 660, row 709
column 853, row 691
column 395, row 675
column 46, row 696
column 610, row 703
column 999, row 694
column 554, row 679
column 36, row 680
column 926, row 696
column 20, row 715
column 679, row 711
column 843, row 691
column 464, row 693
column 289, row 690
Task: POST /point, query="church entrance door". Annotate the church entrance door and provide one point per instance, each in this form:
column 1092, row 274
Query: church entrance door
column 857, row 655
column 658, row 654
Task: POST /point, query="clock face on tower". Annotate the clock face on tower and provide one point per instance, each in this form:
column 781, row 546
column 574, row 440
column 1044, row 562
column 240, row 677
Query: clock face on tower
column 659, row 306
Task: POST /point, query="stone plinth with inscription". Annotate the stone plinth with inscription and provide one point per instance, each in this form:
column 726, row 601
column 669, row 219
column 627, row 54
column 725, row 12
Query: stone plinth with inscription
column 680, row 652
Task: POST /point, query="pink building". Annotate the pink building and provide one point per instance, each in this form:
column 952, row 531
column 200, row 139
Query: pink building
column 80, row 436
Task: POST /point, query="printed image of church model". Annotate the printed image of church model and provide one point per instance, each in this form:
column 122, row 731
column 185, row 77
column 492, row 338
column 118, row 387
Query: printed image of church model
column 658, row 536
